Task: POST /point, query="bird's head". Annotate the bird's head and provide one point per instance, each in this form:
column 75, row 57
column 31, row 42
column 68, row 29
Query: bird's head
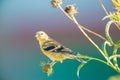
column 41, row 36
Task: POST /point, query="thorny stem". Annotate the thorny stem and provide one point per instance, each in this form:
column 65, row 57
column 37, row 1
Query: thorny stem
column 105, row 10
column 81, row 29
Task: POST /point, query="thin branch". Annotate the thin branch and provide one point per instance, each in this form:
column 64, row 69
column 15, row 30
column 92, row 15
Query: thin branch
column 88, row 30
column 81, row 29
column 114, row 56
column 105, row 10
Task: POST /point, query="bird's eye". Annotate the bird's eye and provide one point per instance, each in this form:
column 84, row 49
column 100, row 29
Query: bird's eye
column 41, row 34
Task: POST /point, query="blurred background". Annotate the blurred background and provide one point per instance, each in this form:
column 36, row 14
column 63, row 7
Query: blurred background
column 20, row 57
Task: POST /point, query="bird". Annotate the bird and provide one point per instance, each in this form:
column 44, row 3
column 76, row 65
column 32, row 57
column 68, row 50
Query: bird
column 54, row 50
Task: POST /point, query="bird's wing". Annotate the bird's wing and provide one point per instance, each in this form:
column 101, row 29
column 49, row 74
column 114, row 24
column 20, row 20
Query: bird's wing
column 56, row 47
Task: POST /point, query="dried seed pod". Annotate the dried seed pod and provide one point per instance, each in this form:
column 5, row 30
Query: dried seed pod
column 70, row 9
column 56, row 3
column 47, row 68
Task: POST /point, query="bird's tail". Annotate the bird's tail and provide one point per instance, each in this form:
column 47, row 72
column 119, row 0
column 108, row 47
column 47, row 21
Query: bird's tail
column 80, row 60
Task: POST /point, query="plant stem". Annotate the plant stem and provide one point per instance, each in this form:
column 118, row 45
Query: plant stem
column 107, row 32
column 105, row 10
column 88, row 30
column 109, row 63
column 102, row 61
column 112, row 66
column 81, row 29
column 96, row 34
column 79, row 26
column 118, row 26
column 104, row 49
column 114, row 56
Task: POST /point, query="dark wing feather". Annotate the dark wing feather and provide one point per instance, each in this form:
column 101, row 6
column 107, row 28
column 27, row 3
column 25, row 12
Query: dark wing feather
column 54, row 46
column 49, row 48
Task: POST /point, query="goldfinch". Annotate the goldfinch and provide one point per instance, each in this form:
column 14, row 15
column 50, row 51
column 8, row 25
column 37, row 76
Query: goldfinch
column 54, row 50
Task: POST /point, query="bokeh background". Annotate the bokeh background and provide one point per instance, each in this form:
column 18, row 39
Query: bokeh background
column 20, row 57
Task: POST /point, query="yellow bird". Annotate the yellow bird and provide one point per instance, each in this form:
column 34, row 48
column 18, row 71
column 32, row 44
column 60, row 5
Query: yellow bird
column 54, row 50
column 116, row 3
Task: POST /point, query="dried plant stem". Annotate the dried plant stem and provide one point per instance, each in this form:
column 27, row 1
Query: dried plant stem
column 95, row 33
column 81, row 29
column 79, row 26
column 88, row 30
column 105, row 10
column 117, row 26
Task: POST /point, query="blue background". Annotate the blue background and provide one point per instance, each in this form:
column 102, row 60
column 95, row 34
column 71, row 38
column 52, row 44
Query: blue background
column 20, row 57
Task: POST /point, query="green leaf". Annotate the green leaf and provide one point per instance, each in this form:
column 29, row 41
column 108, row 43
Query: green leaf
column 107, row 31
column 104, row 48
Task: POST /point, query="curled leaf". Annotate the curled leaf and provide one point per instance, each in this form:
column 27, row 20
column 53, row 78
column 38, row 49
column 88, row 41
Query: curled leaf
column 79, row 68
column 107, row 31
column 104, row 48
